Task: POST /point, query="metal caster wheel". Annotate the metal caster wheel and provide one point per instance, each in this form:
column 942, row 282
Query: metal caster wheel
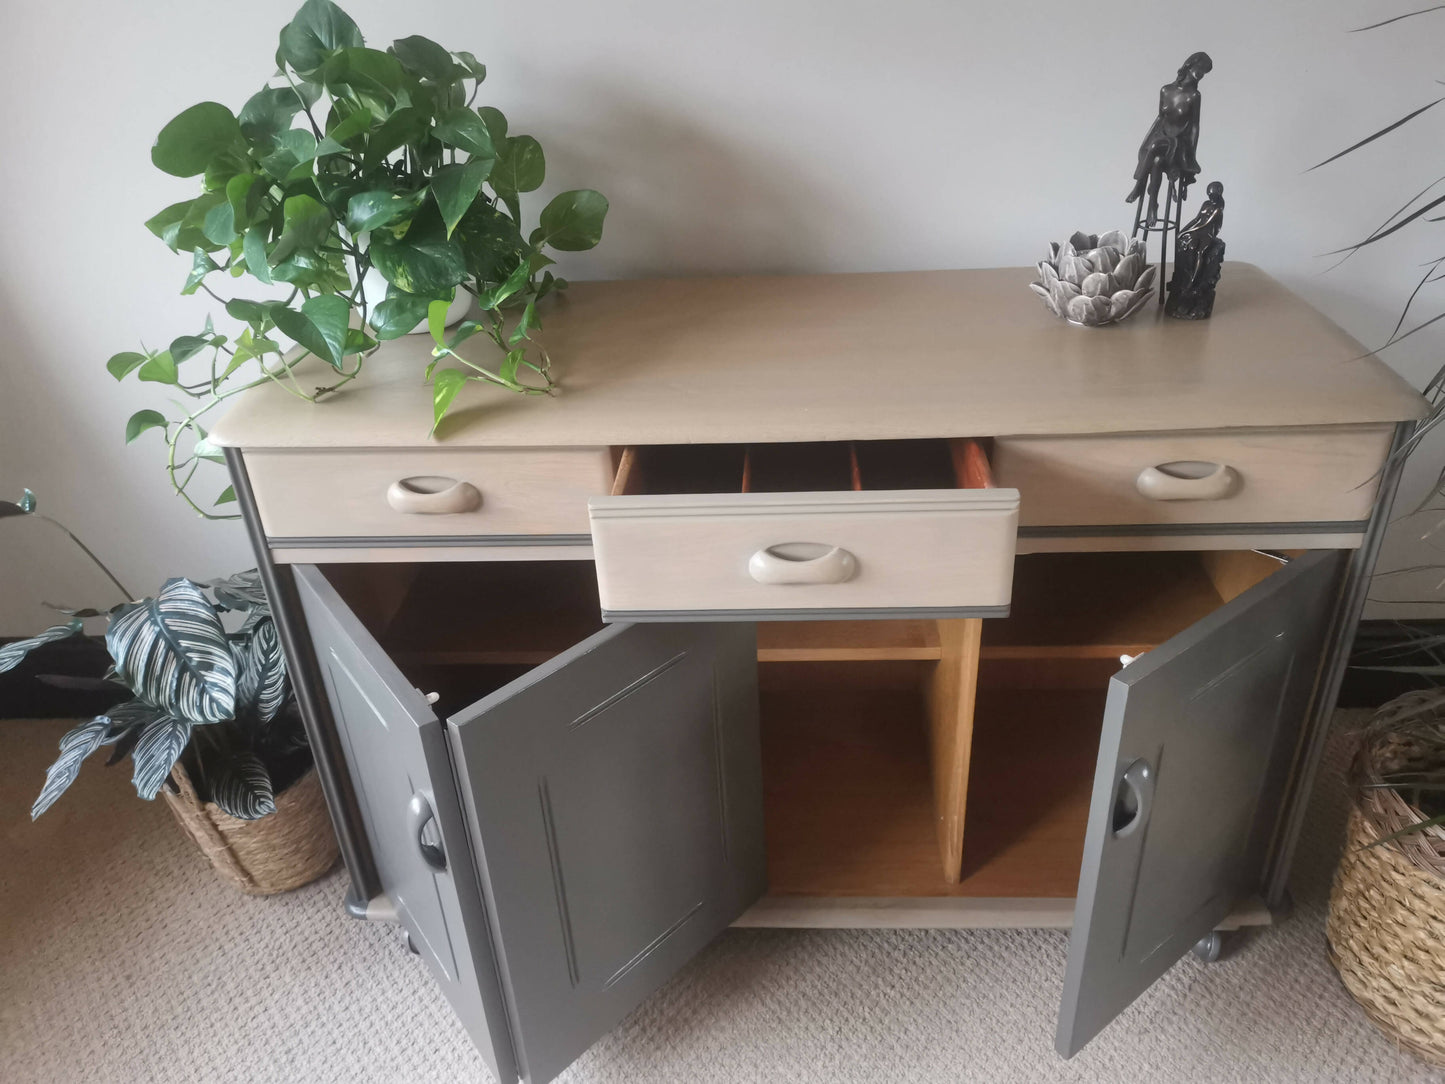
column 1209, row 948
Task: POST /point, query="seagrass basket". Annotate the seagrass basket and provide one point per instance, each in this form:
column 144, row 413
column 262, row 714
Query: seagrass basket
column 1386, row 927
column 281, row 851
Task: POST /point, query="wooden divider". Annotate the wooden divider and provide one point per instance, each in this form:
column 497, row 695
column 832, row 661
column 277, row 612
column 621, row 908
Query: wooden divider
column 951, row 695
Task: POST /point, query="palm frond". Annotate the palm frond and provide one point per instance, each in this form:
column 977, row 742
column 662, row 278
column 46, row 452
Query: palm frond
column 1397, row 18
column 1406, row 119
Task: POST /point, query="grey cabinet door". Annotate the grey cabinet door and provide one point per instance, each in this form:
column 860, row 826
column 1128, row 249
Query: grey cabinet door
column 615, row 799
column 1197, row 739
column 401, row 768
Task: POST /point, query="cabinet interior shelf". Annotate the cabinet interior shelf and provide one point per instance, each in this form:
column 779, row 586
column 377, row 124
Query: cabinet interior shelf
column 876, row 735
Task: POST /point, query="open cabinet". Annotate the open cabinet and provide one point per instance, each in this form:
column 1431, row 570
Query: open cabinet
column 576, row 809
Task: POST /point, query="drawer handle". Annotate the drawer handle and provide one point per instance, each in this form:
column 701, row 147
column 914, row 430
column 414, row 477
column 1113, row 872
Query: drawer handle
column 418, row 815
column 1133, row 798
column 802, row 562
column 429, row 495
column 1186, row 481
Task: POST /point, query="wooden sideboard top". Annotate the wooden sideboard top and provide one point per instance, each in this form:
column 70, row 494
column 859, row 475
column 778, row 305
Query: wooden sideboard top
column 858, row 356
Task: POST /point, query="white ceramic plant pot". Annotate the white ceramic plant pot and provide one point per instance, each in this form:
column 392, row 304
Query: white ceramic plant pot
column 374, row 285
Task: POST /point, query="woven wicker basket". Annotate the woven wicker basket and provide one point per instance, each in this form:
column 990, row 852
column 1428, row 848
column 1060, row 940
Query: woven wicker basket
column 283, row 850
column 1386, row 927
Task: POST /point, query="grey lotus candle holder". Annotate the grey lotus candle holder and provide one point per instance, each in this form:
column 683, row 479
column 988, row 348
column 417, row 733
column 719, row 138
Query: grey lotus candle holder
column 1095, row 279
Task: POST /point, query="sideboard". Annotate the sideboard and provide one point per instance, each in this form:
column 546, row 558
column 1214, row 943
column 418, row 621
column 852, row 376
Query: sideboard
column 846, row 600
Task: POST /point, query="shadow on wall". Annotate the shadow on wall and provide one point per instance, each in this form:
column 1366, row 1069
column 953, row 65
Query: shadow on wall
column 686, row 199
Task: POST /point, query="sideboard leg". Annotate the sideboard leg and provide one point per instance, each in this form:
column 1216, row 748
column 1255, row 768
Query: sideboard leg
column 305, row 675
column 1332, row 673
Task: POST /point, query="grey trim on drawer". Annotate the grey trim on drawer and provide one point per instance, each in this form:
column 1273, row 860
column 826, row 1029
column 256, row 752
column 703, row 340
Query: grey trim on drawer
column 1129, row 530
column 880, row 613
column 429, row 541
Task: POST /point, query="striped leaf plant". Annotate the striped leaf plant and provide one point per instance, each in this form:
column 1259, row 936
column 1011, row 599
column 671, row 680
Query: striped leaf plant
column 213, row 697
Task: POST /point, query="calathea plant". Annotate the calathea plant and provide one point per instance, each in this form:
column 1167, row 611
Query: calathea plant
column 353, row 158
column 217, row 700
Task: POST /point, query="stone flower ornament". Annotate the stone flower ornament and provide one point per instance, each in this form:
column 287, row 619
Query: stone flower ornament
column 1095, row 279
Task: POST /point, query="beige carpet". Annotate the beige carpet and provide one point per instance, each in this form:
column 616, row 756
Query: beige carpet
column 123, row 958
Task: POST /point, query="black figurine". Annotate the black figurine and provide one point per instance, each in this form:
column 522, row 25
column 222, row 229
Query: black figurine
column 1169, row 148
column 1198, row 254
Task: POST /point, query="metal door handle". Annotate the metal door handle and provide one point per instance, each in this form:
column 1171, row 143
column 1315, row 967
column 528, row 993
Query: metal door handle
column 418, row 815
column 1186, row 481
column 800, row 562
column 1133, row 798
column 429, row 495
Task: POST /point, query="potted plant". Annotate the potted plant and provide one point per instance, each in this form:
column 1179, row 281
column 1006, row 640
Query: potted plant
column 353, row 162
column 1386, row 927
column 210, row 722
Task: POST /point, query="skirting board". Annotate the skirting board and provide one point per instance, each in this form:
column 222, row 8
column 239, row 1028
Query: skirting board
column 940, row 913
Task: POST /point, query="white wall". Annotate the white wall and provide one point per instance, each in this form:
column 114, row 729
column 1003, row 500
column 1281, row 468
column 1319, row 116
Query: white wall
column 777, row 135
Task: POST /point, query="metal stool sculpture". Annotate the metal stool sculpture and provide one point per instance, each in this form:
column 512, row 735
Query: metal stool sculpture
column 1168, row 154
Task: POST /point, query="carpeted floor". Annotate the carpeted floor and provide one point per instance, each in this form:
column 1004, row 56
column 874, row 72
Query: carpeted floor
column 123, row 958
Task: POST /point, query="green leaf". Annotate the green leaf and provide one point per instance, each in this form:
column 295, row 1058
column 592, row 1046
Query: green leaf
column 253, row 248
column 345, row 131
column 292, row 157
column 159, row 369
column 228, row 496
column 455, row 187
column 445, row 385
column 378, row 207
column 493, row 118
column 428, row 269
column 123, row 364
column 405, row 125
column 172, row 652
column 514, row 282
column 161, row 744
column 520, row 167
column 527, row 324
column 475, row 68
column 464, row 129
column 508, row 369
column 201, row 266
column 490, row 241
column 185, row 347
column 79, row 742
column 195, row 138
column 179, row 225
column 397, row 315
column 204, row 449
column 464, row 331
column 319, row 326
column 319, row 28
column 305, row 225
column 219, row 225
column 248, row 312
column 240, row 785
column 142, row 420
column 358, row 341
column 14, row 652
column 436, row 320
column 426, row 58
column 572, row 222
column 271, row 110
column 366, row 71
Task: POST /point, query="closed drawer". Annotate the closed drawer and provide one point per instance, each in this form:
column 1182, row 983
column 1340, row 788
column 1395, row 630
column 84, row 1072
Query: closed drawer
column 1309, row 476
column 778, row 531
column 508, row 495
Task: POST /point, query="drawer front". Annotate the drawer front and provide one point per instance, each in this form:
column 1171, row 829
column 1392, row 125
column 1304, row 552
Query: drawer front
column 394, row 496
column 1305, row 476
column 762, row 555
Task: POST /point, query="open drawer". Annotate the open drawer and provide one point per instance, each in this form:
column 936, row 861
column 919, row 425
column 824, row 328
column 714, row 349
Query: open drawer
column 778, row 531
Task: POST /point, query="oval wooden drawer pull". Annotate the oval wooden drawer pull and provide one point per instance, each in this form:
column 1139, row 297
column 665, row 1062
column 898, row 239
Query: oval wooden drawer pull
column 1186, row 481
column 429, row 495
column 802, row 562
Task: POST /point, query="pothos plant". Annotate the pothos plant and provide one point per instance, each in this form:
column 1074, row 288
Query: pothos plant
column 217, row 700
column 353, row 158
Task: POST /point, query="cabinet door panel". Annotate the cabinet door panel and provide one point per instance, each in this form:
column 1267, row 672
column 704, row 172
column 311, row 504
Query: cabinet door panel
column 401, row 768
column 615, row 793
column 1196, row 742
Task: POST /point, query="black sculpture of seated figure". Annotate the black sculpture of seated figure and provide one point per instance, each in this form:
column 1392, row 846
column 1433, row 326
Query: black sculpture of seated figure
column 1198, row 254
